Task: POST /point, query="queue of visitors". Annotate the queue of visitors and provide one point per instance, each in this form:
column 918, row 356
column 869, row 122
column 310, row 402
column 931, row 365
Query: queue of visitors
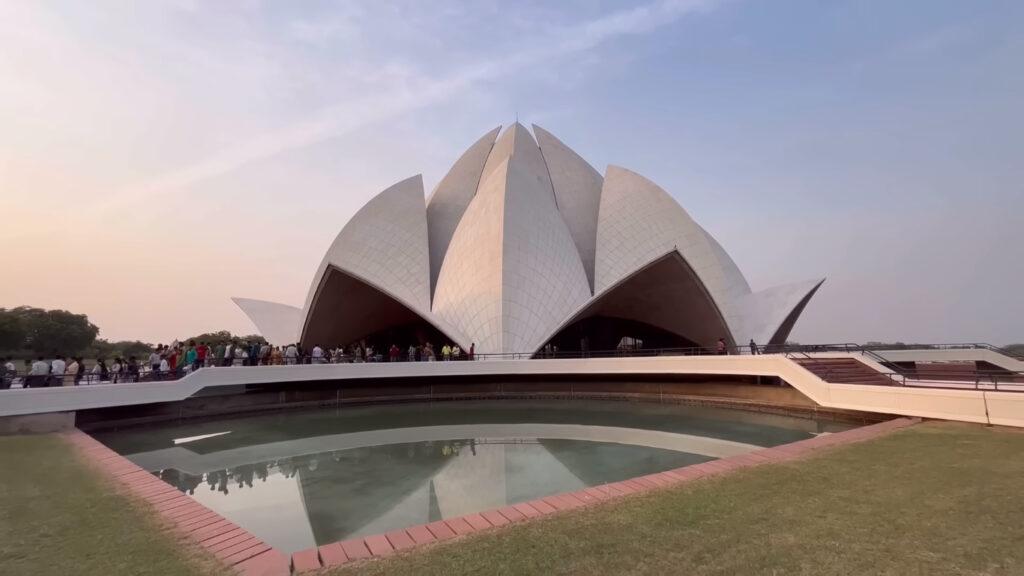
column 170, row 362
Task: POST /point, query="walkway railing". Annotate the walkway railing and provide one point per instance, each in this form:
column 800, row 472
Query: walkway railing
column 977, row 379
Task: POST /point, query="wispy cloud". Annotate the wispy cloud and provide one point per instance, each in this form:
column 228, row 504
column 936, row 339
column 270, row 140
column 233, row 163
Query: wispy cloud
column 411, row 90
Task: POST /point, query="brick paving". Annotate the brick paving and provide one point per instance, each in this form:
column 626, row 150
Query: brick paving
column 252, row 557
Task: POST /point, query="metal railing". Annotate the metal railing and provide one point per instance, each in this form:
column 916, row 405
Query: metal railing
column 803, row 352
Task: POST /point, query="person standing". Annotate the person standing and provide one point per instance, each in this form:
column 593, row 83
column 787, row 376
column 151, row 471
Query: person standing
column 229, row 354
column 318, row 354
column 201, row 353
column 71, row 373
column 393, row 353
column 115, row 371
column 241, row 357
column 218, row 354
column 7, row 373
column 38, row 374
column 291, row 354
column 99, row 372
column 472, row 350
column 154, row 360
column 722, row 347
column 132, row 369
column 753, row 348
column 57, row 368
column 412, row 353
column 446, row 352
column 456, row 352
column 264, row 358
column 191, row 356
column 254, row 353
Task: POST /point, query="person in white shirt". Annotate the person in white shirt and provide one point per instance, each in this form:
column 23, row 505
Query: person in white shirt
column 7, row 373
column 318, row 354
column 290, row 354
column 154, row 359
column 229, row 354
column 38, row 374
column 240, row 356
column 57, row 367
column 163, row 367
column 115, row 370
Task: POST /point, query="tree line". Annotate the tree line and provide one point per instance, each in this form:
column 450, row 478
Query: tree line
column 27, row 332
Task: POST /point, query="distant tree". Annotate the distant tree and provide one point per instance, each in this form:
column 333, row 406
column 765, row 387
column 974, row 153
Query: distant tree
column 12, row 331
column 223, row 336
column 123, row 349
column 55, row 331
column 1015, row 350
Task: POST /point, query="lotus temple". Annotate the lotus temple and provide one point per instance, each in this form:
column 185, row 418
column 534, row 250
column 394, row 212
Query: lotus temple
column 294, row 468
column 521, row 244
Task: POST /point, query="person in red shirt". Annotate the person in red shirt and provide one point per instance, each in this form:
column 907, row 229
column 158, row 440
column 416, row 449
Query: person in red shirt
column 201, row 353
column 393, row 353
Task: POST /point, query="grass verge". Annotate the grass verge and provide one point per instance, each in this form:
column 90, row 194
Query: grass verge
column 59, row 516
column 939, row 498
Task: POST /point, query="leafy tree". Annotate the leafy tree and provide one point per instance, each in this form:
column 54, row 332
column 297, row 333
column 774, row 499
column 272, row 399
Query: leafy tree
column 214, row 338
column 1015, row 350
column 123, row 349
column 12, row 331
column 55, row 331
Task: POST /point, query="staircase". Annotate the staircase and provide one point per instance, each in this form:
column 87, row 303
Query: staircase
column 844, row 371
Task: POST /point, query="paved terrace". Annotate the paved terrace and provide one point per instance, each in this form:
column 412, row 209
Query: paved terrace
column 980, row 406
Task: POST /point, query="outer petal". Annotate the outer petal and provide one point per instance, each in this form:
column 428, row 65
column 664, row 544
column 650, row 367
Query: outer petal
column 639, row 222
column 278, row 323
column 451, row 197
column 385, row 246
column 768, row 316
column 512, row 272
column 577, row 189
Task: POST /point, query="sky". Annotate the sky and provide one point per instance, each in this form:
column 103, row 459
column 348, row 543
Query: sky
column 157, row 158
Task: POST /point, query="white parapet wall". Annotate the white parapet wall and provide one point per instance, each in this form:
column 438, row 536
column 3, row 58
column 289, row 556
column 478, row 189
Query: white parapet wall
column 981, row 406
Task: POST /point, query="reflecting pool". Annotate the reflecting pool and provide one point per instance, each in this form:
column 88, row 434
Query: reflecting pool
column 304, row 478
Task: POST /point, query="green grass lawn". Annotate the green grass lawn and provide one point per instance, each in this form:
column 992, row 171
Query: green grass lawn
column 58, row 516
column 934, row 499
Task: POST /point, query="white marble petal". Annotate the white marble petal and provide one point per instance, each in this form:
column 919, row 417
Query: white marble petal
column 639, row 222
column 451, row 197
column 385, row 245
column 577, row 189
column 278, row 323
column 760, row 315
column 512, row 271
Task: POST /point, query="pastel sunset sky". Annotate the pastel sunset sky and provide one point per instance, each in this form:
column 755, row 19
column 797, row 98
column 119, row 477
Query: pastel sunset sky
column 157, row 158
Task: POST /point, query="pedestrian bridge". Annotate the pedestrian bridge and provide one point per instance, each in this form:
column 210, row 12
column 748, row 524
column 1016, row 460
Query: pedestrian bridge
column 1004, row 406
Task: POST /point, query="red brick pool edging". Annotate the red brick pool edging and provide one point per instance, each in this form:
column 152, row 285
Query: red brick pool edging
column 233, row 545
column 250, row 556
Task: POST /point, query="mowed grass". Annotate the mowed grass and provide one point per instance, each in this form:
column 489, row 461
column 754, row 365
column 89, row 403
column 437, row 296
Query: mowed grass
column 938, row 498
column 59, row 516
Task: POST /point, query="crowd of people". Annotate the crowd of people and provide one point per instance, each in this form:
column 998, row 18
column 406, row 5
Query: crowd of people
column 169, row 362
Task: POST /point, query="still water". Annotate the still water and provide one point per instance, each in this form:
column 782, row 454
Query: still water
column 304, row 478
